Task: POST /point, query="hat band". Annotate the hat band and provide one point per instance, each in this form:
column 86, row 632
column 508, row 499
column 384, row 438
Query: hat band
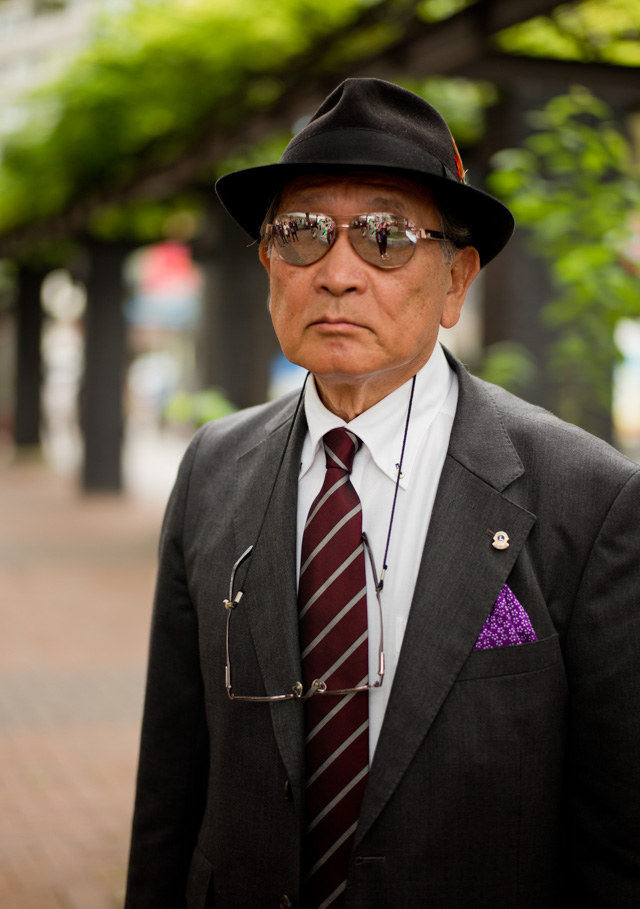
column 367, row 148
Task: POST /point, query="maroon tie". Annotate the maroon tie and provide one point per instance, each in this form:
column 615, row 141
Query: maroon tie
column 333, row 639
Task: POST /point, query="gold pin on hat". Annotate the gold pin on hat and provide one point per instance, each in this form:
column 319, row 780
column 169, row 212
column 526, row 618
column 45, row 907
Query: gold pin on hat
column 500, row 540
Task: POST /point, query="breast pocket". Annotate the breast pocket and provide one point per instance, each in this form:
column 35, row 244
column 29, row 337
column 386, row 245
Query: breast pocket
column 515, row 660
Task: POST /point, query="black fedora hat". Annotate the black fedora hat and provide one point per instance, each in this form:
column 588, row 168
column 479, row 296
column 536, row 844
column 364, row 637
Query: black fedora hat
column 369, row 124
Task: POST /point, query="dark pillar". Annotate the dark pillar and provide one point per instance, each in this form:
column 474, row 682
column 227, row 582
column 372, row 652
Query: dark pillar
column 237, row 341
column 517, row 287
column 28, row 359
column 102, row 393
column 517, row 284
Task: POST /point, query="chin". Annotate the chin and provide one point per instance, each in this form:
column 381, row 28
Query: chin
column 335, row 365
column 335, row 371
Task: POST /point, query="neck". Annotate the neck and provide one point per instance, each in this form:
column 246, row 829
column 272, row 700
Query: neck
column 346, row 403
column 349, row 399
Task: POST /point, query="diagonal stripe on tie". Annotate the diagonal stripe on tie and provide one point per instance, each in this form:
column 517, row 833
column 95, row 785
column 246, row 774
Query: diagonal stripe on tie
column 329, row 581
column 333, row 643
column 333, row 712
column 329, row 536
column 330, row 673
column 350, row 831
column 337, row 752
column 332, row 898
column 331, row 625
column 343, row 462
column 338, row 798
column 319, row 502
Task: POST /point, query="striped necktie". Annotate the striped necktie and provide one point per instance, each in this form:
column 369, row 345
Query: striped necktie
column 333, row 640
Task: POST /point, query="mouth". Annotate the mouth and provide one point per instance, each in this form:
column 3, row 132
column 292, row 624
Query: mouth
column 335, row 324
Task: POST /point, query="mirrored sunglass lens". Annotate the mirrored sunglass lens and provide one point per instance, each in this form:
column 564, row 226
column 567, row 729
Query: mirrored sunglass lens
column 303, row 239
column 382, row 239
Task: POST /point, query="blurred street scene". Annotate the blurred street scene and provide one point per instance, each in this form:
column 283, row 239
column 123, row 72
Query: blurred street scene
column 76, row 586
column 76, row 579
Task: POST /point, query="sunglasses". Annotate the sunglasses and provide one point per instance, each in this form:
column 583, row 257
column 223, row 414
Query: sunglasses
column 381, row 239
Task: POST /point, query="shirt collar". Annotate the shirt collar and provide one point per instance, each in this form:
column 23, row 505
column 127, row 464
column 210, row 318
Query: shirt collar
column 381, row 427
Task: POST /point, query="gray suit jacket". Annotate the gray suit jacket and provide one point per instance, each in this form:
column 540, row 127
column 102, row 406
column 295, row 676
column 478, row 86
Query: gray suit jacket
column 503, row 777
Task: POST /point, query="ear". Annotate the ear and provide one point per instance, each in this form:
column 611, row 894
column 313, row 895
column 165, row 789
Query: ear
column 464, row 267
column 263, row 253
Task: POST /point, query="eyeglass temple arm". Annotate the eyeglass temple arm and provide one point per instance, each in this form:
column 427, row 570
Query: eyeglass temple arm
column 237, row 564
column 230, row 604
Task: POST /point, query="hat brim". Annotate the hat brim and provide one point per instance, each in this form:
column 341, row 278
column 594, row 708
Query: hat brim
column 247, row 195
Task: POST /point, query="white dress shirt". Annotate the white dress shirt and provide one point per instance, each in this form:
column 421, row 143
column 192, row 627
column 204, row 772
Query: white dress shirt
column 381, row 429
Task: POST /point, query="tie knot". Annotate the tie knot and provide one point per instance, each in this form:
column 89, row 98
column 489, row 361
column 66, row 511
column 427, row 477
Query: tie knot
column 340, row 446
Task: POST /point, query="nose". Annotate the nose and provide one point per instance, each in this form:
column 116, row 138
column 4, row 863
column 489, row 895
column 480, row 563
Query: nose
column 341, row 270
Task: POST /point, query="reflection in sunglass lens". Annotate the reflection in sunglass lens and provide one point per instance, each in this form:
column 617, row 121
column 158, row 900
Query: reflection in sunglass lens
column 302, row 239
column 381, row 239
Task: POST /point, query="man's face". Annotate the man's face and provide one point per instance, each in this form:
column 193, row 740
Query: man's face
column 354, row 325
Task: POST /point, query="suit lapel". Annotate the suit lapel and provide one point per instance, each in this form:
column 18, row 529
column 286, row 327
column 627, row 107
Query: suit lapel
column 460, row 577
column 269, row 576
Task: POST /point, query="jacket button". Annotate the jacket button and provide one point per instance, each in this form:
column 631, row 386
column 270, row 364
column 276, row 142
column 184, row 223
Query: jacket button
column 285, row 902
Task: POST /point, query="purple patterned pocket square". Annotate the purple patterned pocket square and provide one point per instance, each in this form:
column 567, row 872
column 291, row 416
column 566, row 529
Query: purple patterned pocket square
column 507, row 624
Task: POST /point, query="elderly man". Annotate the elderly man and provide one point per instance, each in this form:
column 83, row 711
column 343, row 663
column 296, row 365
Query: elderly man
column 395, row 651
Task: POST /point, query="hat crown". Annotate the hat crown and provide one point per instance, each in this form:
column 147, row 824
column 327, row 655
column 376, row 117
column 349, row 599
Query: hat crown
column 369, row 107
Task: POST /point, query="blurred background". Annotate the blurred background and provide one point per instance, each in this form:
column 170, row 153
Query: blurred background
column 132, row 310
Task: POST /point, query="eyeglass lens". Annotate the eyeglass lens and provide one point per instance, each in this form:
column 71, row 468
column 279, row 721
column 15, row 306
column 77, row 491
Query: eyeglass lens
column 384, row 240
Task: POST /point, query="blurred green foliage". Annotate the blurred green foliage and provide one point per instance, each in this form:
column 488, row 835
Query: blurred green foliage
column 436, row 10
column 575, row 187
column 162, row 77
column 167, row 75
column 508, row 364
column 194, row 409
column 594, row 30
column 146, row 221
column 462, row 103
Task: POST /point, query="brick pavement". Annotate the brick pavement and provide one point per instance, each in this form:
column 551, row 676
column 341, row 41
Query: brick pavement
column 76, row 581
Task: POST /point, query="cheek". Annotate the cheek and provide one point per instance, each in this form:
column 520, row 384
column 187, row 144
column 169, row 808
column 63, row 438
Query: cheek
column 286, row 309
column 277, row 295
column 286, row 286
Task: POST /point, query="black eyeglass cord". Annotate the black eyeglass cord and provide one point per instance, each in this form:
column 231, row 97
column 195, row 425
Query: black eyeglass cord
column 380, row 583
column 284, row 451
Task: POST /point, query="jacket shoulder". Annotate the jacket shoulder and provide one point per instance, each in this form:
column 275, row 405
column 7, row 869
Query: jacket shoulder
column 558, row 448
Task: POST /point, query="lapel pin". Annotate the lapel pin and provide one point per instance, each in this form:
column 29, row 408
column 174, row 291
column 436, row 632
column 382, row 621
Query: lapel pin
column 500, row 540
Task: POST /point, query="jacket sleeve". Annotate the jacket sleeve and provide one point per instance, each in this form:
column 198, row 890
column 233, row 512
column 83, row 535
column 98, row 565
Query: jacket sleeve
column 603, row 667
column 171, row 785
